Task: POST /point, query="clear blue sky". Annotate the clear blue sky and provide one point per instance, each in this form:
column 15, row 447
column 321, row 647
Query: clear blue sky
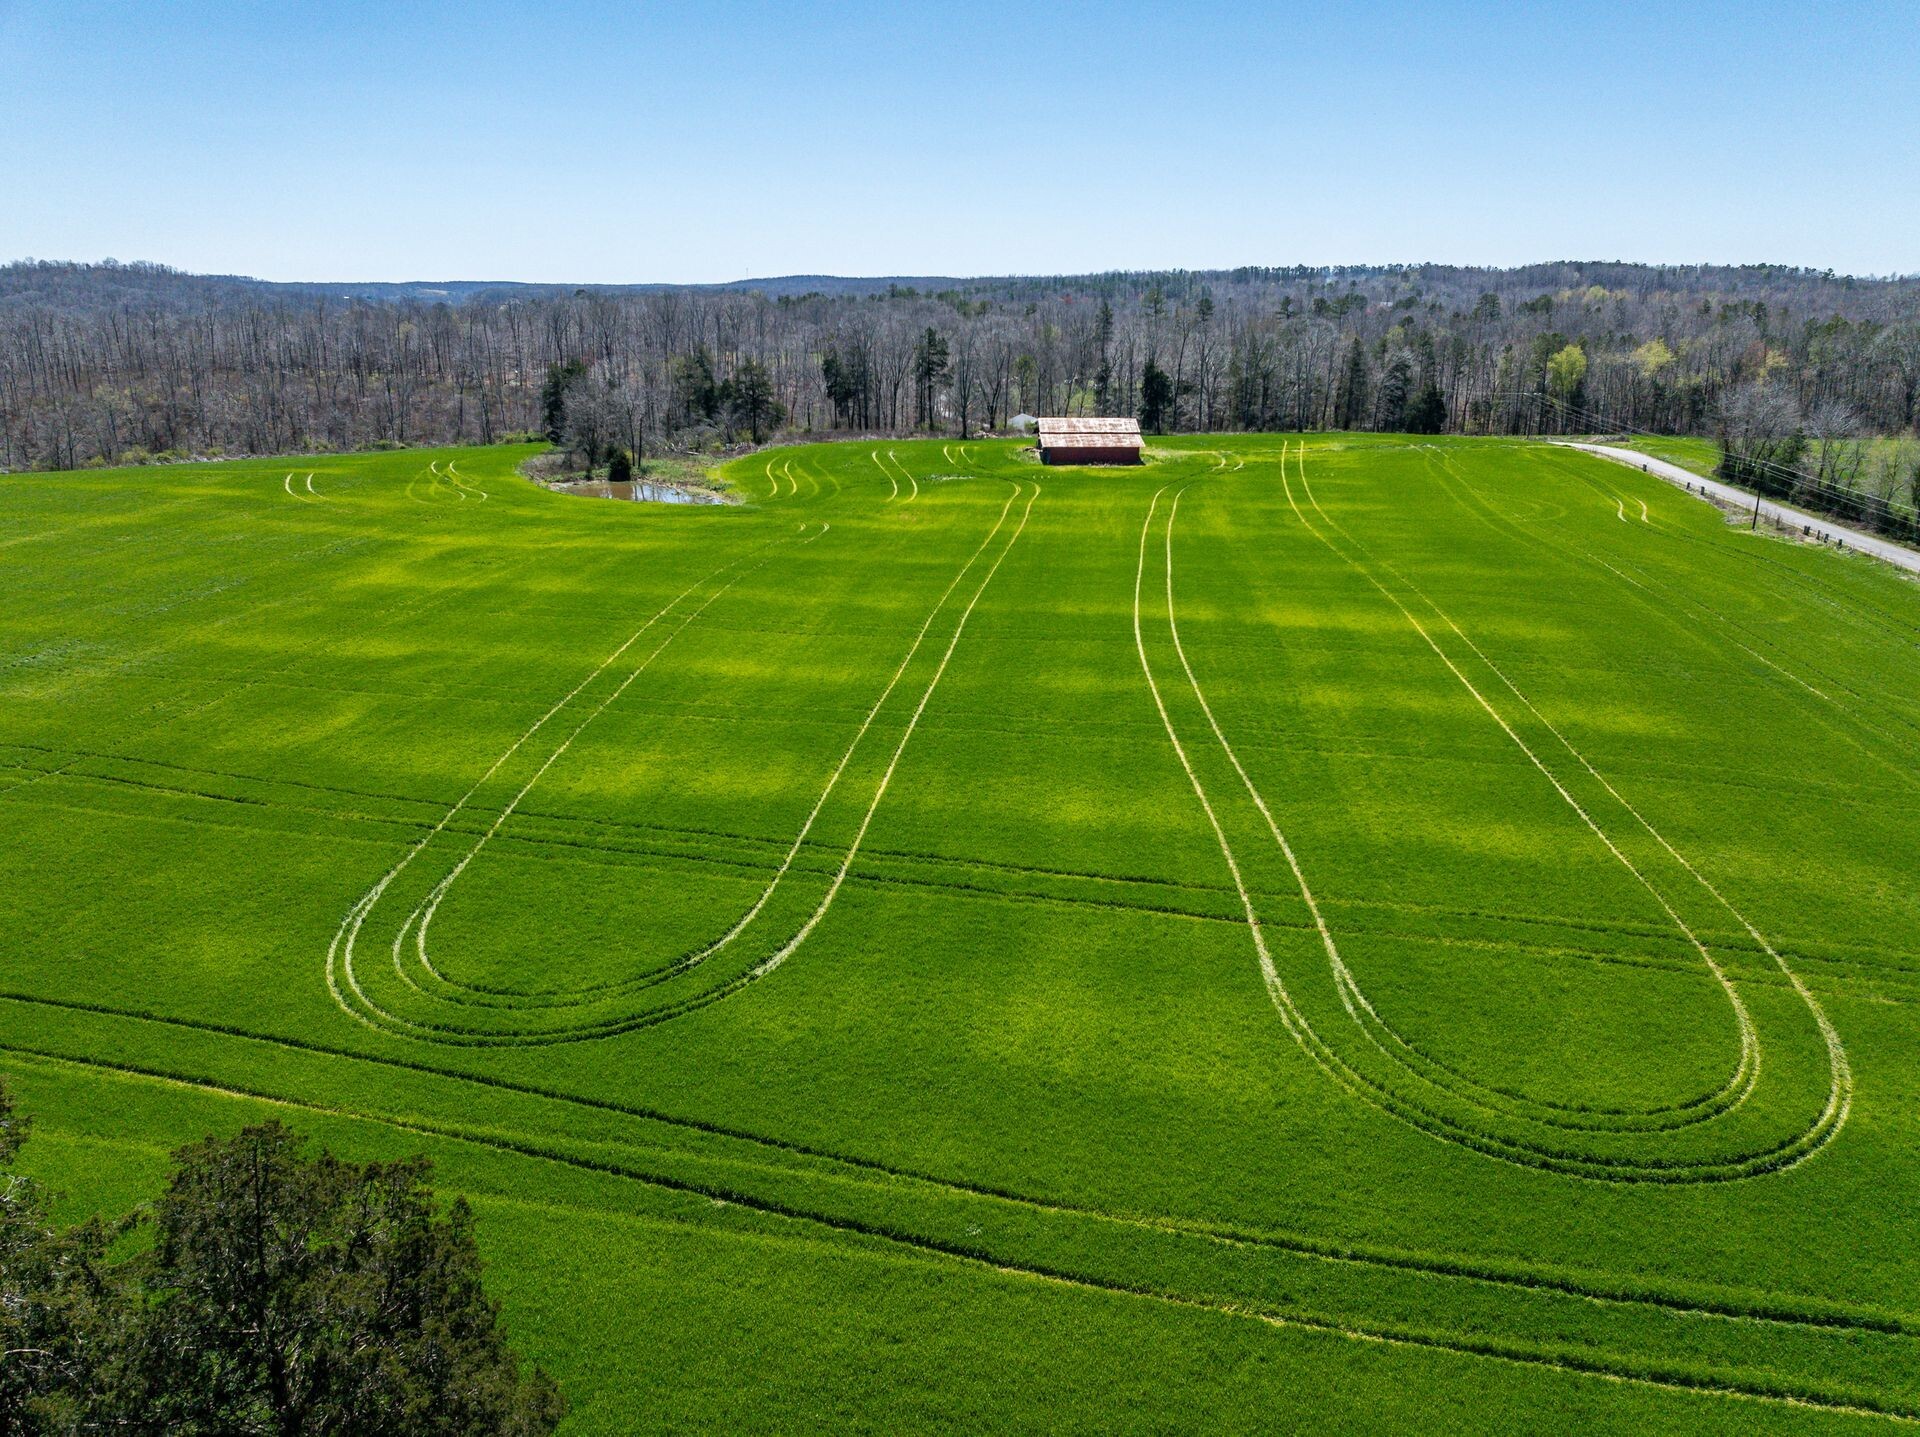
column 706, row 141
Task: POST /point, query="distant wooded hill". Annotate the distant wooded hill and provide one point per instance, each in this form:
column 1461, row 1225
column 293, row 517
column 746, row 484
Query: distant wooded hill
column 110, row 362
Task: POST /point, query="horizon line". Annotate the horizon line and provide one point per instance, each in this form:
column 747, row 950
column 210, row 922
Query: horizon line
column 1382, row 266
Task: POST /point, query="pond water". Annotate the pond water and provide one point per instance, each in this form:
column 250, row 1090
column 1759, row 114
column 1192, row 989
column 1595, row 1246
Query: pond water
column 642, row 490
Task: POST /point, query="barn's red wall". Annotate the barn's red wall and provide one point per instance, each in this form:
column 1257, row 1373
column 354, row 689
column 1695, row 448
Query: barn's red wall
column 1090, row 455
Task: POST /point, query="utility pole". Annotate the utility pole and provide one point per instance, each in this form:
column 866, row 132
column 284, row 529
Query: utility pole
column 1756, row 511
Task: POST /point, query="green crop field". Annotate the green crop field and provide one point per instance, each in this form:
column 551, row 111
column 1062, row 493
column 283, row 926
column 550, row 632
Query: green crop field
column 1342, row 933
column 1701, row 456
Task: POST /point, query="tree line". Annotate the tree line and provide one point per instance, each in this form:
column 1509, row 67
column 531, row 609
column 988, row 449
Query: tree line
column 122, row 363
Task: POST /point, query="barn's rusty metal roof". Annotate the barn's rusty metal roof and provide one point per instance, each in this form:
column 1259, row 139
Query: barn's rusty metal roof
column 1089, row 426
column 1091, row 441
column 1090, row 434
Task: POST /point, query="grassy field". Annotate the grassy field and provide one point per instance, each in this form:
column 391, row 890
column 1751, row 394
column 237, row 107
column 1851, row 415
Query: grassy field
column 1336, row 933
column 1886, row 467
column 1698, row 456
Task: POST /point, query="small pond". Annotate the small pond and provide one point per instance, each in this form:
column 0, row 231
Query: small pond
column 643, row 490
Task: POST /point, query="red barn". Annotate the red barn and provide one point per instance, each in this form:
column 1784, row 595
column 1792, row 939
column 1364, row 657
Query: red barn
column 1090, row 441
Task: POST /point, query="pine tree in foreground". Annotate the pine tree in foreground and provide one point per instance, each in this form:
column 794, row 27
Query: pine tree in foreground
column 280, row 1293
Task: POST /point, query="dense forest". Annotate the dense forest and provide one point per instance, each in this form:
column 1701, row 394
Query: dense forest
column 122, row 363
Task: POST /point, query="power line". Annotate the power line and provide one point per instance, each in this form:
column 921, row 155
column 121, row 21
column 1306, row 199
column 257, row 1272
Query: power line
column 1795, row 480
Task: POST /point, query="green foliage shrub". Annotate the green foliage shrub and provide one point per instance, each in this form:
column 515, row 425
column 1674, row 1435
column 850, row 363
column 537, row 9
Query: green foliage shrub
column 277, row 1293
